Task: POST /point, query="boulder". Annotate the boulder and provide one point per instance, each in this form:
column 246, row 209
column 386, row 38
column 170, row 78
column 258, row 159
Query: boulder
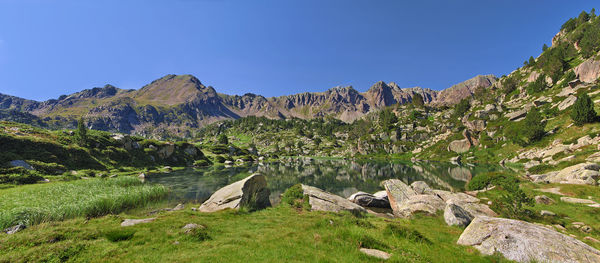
column 516, row 114
column 563, row 105
column 249, row 192
column 583, row 173
column 368, row 200
column 133, row 222
column 588, row 71
column 455, row 215
column 21, row 163
column 459, row 146
column 547, row 213
column 166, row 151
column 525, row 242
column 323, row 201
column 397, row 191
column 428, row 204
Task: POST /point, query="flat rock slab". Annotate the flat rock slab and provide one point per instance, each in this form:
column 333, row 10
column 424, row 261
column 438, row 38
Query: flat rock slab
column 554, row 190
column 133, row 222
column 376, row 253
column 323, row 201
column 525, row 242
column 573, row 200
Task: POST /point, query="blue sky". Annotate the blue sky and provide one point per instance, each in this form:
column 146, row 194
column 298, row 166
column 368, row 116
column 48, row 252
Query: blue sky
column 268, row 47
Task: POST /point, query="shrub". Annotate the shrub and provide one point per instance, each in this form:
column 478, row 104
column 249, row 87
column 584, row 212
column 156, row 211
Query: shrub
column 81, row 133
column 222, row 139
column 482, row 181
column 513, row 201
column 462, row 107
column 417, row 101
column 219, row 159
column 202, row 163
column 199, row 234
column 405, row 233
column 294, row 196
column 533, row 126
column 119, row 235
column 583, row 110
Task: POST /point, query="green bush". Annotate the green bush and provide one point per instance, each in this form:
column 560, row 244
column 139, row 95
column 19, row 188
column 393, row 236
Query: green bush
column 219, row 159
column 461, row 108
column 482, row 181
column 399, row 231
column 294, row 196
column 119, row 235
column 534, row 126
column 537, row 86
column 202, row 163
column 513, row 202
column 583, row 110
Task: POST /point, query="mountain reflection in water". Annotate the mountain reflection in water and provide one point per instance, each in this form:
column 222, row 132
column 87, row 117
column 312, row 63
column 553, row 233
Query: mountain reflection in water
column 341, row 177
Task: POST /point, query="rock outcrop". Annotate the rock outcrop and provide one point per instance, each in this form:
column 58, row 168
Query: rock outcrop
column 251, row 192
column 525, row 242
column 583, row 173
column 369, row 200
column 588, row 71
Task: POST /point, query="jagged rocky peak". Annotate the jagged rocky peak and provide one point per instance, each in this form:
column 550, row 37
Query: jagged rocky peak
column 104, row 92
column 465, row 89
column 380, row 95
column 173, row 90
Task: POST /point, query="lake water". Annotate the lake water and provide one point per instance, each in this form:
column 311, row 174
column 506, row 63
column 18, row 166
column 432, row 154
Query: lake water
column 341, row 177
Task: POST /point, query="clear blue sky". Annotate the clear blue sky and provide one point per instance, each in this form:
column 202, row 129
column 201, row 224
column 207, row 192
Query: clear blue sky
column 275, row 47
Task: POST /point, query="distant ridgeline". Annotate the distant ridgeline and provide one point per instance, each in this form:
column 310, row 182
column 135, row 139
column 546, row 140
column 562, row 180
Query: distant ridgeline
column 177, row 105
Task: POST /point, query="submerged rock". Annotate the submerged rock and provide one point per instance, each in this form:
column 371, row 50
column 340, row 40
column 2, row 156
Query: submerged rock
column 323, row 201
column 525, row 242
column 249, row 192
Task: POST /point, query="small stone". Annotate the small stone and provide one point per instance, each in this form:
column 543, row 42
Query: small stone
column 190, row 227
column 542, row 199
column 559, row 227
column 178, row 207
column 588, row 238
column 14, row 229
column 573, row 200
column 547, row 213
column 132, row 222
column 586, row 229
column 375, row 253
column 142, row 176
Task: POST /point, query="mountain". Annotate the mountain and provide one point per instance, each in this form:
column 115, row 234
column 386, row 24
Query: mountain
column 176, row 105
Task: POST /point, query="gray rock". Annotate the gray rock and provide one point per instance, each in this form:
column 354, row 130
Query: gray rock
column 516, row 115
column 428, row 204
column 368, row 200
column 14, row 229
column 574, row 200
column 525, row 242
column 323, row 201
column 588, row 71
column 547, row 213
column 455, row 215
column 178, row 207
column 459, row 146
column 142, row 176
column 190, row 227
column 568, row 102
column 251, row 192
column 421, row 187
column 21, row 163
column 133, row 222
column 397, row 191
column 376, row 253
column 542, row 199
column 583, row 173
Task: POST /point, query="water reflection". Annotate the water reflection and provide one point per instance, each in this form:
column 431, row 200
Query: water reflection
column 340, row 177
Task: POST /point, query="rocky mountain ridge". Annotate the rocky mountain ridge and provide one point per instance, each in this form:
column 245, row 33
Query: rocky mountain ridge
column 175, row 105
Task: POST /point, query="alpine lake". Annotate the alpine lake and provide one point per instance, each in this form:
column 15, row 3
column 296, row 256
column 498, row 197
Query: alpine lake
column 337, row 176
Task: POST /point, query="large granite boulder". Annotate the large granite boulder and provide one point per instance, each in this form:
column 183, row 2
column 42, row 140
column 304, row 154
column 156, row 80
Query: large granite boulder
column 323, row 201
column 428, row 204
column 588, row 71
column 583, row 173
column 455, row 215
column 397, row 191
column 421, row 187
column 369, row 200
column 250, row 192
column 525, row 242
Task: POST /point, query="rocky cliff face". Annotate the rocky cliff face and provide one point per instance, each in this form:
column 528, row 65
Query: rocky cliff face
column 176, row 104
column 464, row 89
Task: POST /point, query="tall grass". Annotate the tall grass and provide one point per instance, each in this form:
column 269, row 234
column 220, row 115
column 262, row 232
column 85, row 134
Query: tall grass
column 33, row 204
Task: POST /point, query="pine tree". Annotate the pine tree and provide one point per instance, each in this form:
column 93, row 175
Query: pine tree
column 81, row 133
column 533, row 126
column 531, row 61
column 583, row 110
column 417, row 100
column 545, row 47
column 223, row 139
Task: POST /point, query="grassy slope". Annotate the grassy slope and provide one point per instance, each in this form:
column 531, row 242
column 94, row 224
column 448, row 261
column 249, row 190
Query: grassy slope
column 279, row 234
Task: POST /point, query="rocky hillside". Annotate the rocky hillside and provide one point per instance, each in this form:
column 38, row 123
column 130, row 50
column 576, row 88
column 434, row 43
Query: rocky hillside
column 177, row 105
